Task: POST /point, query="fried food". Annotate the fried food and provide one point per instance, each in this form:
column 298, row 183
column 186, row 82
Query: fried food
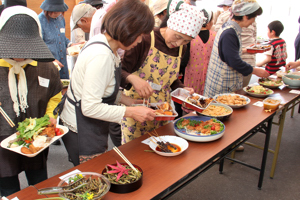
column 231, row 100
column 25, row 150
column 213, row 110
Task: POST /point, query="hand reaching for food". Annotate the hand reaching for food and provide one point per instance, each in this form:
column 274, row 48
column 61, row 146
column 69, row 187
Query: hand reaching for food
column 140, row 113
column 141, row 86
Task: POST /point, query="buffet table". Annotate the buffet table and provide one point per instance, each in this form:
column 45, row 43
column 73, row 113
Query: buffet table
column 163, row 176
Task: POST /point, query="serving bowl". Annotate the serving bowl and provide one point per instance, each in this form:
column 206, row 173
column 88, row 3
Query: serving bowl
column 191, row 136
column 291, row 80
column 127, row 187
column 232, row 105
column 219, row 117
column 180, row 143
column 104, row 184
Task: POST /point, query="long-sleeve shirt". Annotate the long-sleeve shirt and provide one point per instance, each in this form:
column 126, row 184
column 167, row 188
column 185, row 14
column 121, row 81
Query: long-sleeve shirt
column 92, row 80
column 53, row 32
column 229, row 52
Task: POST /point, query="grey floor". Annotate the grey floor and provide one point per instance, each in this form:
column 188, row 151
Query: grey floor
column 237, row 181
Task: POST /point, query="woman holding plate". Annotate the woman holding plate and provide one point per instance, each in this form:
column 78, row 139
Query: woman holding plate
column 30, row 87
column 156, row 61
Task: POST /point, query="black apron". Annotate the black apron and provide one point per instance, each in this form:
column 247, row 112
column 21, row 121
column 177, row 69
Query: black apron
column 93, row 133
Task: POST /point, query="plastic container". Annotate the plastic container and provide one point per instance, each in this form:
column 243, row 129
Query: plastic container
column 258, row 48
column 271, row 103
column 180, row 96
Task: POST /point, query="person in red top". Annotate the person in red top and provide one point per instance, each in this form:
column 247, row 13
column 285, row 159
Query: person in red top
column 276, row 57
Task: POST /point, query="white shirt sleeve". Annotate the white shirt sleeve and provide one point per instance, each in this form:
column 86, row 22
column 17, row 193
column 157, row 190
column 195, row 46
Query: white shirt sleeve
column 99, row 76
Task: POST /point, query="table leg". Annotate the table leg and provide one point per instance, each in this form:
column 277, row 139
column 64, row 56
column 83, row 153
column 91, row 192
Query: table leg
column 292, row 111
column 278, row 141
column 265, row 153
column 221, row 166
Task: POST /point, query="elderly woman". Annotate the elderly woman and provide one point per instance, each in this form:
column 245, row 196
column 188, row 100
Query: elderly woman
column 94, row 93
column 156, row 60
column 226, row 67
column 35, row 92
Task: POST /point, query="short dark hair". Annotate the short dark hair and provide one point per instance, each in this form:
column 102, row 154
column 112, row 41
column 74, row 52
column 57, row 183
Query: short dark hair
column 277, row 27
column 258, row 12
column 127, row 20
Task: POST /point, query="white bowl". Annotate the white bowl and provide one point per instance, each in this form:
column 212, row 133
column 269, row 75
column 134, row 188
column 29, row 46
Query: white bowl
column 258, row 95
column 182, row 143
column 195, row 137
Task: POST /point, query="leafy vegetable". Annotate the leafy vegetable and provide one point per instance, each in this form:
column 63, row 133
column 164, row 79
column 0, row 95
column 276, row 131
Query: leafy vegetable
column 30, row 126
column 179, row 123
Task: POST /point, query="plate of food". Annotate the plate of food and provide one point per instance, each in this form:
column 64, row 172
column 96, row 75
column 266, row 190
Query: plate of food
column 217, row 110
column 163, row 110
column 199, row 128
column 258, row 91
column 258, row 48
column 195, row 102
column 232, row 100
column 270, row 83
column 123, row 178
column 34, row 135
column 168, row 145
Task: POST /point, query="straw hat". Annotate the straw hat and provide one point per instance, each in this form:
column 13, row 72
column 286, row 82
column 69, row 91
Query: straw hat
column 9, row 3
column 20, row 35
column 54, row 6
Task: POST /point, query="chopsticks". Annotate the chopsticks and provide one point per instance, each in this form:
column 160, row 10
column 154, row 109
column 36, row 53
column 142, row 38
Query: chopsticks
column 124, row 158
column 10, row 122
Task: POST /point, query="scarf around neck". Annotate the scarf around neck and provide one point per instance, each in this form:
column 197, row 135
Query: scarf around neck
column 19, row 90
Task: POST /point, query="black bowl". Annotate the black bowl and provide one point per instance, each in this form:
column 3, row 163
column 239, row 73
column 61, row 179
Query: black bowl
column 126, row 188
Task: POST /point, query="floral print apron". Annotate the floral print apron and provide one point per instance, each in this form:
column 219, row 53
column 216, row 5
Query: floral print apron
column 158, row 68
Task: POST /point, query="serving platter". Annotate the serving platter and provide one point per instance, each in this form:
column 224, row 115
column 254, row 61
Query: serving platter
column 219, row 117
column 5, row 142
column 196, row 137
column 233, row 106
column 256, row 94
column 263, row 82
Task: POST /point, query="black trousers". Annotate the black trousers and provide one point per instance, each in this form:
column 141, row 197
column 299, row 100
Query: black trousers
column 10, row 185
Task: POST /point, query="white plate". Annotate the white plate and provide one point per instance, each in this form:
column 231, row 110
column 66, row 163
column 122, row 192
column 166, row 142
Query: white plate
column 257, row 95
column 196, row 137
column 234, row 106
column 182, row 143
column 5, row 142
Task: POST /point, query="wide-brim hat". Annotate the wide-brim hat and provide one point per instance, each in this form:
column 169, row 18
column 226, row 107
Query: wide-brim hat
column 54, row 6
column 9, row 3
column 93, row 2
column 20, row 35
column 159, row 6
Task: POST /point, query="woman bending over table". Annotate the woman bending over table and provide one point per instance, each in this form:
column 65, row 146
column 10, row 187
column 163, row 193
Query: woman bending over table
column 94, row 93
column 156, row 60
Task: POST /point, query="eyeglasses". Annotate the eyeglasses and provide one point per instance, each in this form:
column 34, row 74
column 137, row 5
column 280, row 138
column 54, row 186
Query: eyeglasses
column 98, row 6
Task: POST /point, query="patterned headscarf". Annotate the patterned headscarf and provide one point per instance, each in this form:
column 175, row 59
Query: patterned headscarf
column 185, row 18
column 244, row 7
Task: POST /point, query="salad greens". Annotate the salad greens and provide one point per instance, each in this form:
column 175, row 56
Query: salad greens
column 32, row 126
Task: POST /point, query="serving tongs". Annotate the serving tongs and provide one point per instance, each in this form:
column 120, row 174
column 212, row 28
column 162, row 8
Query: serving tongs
column 64, row 189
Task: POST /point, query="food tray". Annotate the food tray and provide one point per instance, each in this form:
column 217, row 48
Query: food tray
column 4, row 143
column 254, row 48
column 180, row 95
column 194, row 137
column 161, row 117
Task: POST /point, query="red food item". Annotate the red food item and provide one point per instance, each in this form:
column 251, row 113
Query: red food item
column 57, row 132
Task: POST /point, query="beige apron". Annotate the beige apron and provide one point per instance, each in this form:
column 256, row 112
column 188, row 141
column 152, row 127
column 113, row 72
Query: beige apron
column 158, row 68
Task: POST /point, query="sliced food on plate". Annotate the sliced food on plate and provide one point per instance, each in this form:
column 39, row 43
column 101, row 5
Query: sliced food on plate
column 258, row 91
column 233, row 100
column 270, row 83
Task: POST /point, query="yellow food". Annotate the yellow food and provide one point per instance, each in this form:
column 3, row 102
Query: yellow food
column 213, row 110
column 231, row 100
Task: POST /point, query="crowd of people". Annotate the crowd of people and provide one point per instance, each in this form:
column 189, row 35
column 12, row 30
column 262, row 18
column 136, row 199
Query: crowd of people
column 127, row 58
